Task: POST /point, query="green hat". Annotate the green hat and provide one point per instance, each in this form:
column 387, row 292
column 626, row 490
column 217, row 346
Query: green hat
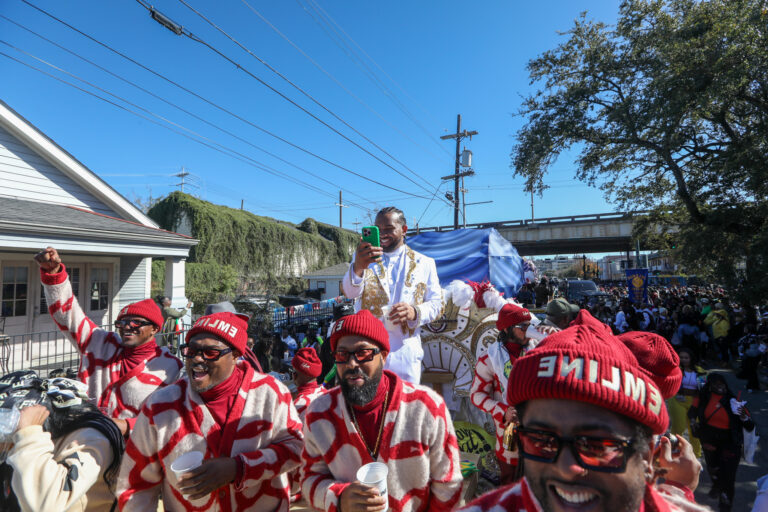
column 561, row 307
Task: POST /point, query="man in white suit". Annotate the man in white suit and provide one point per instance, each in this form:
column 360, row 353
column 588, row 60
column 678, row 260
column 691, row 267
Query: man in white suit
column 400, row 287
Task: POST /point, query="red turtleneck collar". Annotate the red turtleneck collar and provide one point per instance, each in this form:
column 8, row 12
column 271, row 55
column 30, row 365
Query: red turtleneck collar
column 220, row 398
column 133, row 356
column 370, row 415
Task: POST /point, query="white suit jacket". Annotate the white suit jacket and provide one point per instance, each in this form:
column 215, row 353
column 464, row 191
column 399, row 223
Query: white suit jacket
column 416, row 284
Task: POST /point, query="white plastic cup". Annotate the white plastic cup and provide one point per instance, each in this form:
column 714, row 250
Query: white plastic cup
column 186, row 463
column 385, row 311
column 375, row 475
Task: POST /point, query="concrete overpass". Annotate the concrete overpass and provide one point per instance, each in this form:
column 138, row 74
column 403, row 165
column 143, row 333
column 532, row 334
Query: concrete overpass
column 601, row 232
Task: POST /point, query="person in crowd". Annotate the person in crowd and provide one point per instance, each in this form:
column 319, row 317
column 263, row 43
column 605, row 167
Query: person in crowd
column 721, row 434
column 489, row 386
column 264, row 352
column 374, row 415
column 289, row 341
column 307, row 368
column 328, row 375
column 560, row 313
column 718, row 320
column 313, row 339
column 64, row 452
column 621, row 322
column 242, row 421
column 120, row 369
column 543, row 291
column 686, row 397
column 171, row 316
column 752, row 353
column 526, row 295
column 589, row 410
column 396, row 278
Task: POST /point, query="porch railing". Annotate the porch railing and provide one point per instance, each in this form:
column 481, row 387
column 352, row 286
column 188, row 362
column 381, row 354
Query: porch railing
column 50, row 350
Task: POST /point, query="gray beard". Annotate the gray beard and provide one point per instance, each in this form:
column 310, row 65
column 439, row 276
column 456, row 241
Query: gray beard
column 365, row 393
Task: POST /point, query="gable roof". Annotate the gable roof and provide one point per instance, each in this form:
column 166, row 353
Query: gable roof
column 337, row 270
column 57, row 156
column 38, row 217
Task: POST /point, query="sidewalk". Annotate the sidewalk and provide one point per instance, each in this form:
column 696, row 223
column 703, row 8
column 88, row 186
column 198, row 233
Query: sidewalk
column 746, row 475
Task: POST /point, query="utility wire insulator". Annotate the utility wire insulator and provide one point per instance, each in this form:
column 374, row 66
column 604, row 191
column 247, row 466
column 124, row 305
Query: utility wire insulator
column 166, row 21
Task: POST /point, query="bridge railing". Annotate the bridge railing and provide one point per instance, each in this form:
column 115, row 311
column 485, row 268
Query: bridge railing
column 567, row 219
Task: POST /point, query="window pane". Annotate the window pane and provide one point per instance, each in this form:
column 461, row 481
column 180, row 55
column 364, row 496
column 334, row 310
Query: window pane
column 21, row 308
column 21, row 274
column 21, row 290
column 74, row 278
column 43, row 304
column 9, row 274
column 8, row 291
column 7, row 308
column 103, row 302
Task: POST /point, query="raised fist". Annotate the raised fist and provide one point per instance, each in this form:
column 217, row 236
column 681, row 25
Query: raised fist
column 49, row 260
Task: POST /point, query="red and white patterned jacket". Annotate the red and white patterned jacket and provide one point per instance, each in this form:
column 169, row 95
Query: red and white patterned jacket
column 489, row 392
column 263, row 432
column 100, row 353
column 518, row 497
column 418, row 445
column 305, row 395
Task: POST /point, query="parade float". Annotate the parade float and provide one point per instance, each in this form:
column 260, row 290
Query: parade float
column 462, row 334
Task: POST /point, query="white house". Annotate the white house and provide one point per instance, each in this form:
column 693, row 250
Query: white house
column 47, row 197
column 327, row 279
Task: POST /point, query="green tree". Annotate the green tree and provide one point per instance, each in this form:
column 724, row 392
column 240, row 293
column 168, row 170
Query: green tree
column 669, row 110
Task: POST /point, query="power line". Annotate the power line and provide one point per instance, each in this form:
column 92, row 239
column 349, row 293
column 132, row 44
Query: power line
column 168, row 102
column 337, row 82
column 219, row 107
column 352, row 54
column 179, row 30
column 302, row 91
column 222, row 149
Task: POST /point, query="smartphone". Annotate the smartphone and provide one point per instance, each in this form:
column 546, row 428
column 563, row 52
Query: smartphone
column 371, row 235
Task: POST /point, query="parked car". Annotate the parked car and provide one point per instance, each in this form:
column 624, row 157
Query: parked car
column 575, row 289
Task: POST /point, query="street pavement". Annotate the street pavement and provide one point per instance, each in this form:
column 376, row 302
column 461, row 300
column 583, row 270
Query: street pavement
column 747, row 474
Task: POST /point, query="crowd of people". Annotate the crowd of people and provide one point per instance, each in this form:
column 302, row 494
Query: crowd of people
column 583, row 403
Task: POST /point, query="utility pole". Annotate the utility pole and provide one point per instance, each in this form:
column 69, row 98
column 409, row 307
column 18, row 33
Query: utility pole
column 458, row 136
column 356, row 223
column 341, row 206
column 242, row 201
column 183, row 174
column 584, row 264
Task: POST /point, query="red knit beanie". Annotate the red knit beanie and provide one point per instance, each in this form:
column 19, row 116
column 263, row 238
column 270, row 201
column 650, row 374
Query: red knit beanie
column 228, row 327
column 364, row 324
column 306, row 361
column 656, row 355
column 511, row 315
column 587, row 363
column 146, row 308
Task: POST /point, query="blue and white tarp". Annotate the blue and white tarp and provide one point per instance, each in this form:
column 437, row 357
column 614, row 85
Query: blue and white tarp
column 473, row 254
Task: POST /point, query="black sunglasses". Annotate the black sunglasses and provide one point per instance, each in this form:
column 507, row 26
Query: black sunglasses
column 602, row 454
column 363, row 355
column 133, row 323
column 207, row 353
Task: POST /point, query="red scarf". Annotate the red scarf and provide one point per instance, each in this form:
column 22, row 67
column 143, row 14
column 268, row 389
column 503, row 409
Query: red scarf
column 370, row 415
column 134, row 356
column 307, row 388
column 220, row 398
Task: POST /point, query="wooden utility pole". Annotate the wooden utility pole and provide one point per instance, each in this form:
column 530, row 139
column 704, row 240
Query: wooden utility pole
column 458, row 136
column 341, row 206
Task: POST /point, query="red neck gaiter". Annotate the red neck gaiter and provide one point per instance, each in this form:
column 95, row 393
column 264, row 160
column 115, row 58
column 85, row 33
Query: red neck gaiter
column 133, row 356
column 220, row 398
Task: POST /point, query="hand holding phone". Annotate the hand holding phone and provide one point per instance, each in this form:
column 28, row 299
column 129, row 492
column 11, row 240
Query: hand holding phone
column 369, row 250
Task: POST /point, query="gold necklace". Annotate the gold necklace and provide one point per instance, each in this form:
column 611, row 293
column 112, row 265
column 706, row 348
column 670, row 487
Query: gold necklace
column 374, row 454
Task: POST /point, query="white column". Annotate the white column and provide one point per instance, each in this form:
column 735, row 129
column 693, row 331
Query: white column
column 174, row 283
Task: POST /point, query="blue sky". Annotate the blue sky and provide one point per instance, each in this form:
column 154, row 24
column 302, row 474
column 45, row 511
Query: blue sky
column 415, row 66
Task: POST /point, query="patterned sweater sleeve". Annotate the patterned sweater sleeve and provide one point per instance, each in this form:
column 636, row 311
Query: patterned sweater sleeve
column 283, row 455
column 42, row 483
column 141, row 474
column 481, row 392
column 318, row 486
column 67, row 313
column 444, row 464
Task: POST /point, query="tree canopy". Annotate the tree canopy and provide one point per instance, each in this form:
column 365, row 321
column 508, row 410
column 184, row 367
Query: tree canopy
column 669, row 111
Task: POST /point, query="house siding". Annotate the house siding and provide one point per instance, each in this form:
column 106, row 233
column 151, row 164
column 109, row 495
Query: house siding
column 132, row 280
column 26, row 175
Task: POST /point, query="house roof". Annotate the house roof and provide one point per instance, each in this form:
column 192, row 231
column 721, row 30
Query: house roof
column 21, row 217
column 44, row 146
column 337, row 270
